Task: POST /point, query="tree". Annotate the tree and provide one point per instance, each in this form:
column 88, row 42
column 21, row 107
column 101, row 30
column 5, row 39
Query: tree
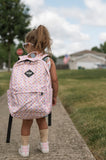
column 14, row 22
column 96, row 49
column 54, row 58
column 3, row 55
column 101, row 48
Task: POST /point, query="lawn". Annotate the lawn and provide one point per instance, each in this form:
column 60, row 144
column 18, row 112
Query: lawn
column 83, row 94
column 4, row 81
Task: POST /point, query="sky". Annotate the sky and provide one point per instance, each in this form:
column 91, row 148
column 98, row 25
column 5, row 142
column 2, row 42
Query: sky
column 74, row 25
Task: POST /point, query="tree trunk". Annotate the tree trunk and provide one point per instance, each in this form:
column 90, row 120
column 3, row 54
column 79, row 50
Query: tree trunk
column 9, row 58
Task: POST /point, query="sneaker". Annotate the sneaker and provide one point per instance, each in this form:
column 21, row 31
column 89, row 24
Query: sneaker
column 24, row 151
column 44, row 147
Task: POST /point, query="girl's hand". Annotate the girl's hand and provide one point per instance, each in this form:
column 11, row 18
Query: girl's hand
column 54, row 101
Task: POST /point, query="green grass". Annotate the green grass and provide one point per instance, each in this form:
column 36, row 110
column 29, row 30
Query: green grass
column 4, row 82
column 83, row 94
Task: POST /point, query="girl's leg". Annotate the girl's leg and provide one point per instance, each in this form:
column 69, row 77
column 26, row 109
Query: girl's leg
column 25, row 131
column 43, row 129
column 26, row 125
column 42, row 124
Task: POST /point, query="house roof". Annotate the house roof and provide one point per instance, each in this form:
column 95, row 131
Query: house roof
column 81, row 53
column 84, row 55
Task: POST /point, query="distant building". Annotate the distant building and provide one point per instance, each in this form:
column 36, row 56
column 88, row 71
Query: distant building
column 102, row 66
column 87, row 59
column 60, row 64
column 59, row 61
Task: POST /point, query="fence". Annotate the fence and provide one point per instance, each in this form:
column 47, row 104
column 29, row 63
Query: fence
column 62, row 66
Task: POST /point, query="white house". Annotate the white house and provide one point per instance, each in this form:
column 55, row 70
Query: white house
column 87, row 59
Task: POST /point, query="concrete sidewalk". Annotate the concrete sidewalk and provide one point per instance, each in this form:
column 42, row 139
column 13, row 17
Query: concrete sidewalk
column 64, row 140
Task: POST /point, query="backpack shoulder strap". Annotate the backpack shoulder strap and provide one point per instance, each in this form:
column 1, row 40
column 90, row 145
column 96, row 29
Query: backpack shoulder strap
column 45, row 58
column 49, row 62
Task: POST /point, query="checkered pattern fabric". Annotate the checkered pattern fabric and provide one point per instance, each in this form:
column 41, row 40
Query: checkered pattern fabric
column 30, row 90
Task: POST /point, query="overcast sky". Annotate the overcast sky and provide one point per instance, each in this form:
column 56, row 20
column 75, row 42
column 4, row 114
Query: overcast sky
column 74, row 25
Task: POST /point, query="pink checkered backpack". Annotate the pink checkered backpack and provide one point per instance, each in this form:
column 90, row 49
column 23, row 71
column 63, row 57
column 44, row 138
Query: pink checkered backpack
column 30, row 89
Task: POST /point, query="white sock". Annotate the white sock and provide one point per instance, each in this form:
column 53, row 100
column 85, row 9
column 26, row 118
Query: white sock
column 43, row 135
column 24, row 140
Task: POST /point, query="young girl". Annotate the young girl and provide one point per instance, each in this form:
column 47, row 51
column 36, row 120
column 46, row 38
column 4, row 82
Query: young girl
column 39, row 40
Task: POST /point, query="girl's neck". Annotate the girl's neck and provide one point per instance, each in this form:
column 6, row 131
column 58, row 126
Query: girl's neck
column 35, row 52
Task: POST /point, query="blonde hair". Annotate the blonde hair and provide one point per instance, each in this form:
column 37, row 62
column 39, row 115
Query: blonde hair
column 40, row 37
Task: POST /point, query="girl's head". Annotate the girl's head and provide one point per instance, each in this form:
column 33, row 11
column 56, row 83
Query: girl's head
column 38, row 40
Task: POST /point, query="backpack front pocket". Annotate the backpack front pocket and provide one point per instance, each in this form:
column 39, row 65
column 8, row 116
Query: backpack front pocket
column 28, row 98
column 33, row 104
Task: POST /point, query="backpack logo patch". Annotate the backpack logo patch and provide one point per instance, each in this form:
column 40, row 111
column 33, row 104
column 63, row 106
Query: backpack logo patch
column 29, row 73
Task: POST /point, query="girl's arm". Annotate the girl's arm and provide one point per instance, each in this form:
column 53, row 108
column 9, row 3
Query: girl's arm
column 54, row 80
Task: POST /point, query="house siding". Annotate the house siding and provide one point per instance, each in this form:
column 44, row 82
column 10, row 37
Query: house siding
column 88, row 61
